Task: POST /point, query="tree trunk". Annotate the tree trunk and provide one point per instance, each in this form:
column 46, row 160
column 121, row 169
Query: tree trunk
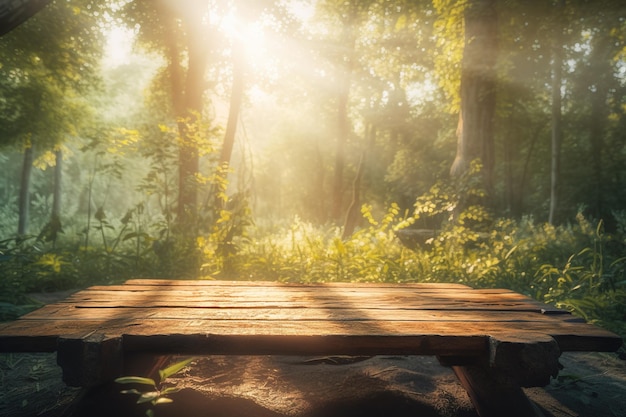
column 352, row 216
column 600, row 68
column 525, row 169
column 58, row 178
column 54, row 224
column 51, row 230
column 187, row 95
column 354, row 210
column 24, row 200
column 319, row 204
column 478, row 91
column 343, row 129
column 14, row 13
column 236, row 99
column 343, row 121
column 557, row 126
column 509, row 155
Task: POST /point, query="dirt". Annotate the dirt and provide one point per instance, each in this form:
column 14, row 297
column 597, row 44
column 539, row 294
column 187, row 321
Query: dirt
column 589, row 385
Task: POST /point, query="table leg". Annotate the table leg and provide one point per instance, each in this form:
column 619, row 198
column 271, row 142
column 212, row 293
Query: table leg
column 90, row 360
column 494, row 394
column 494, row 383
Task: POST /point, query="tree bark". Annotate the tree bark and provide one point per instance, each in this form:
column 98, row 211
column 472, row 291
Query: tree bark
column 557, row 126
column 14, row 13
column 343, row 122
column 320, row 206
column 24, row 200
column 352, row 216
column 509, row 155
column 343, row 129
column 58, row 178
column 600, row 68
column 478, row 91
column 236, row 100
column 525, row 169
column 51, row 230
column 188, row 105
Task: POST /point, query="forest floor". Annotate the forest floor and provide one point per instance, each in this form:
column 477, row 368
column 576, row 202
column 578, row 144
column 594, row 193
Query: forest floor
column 590, row 385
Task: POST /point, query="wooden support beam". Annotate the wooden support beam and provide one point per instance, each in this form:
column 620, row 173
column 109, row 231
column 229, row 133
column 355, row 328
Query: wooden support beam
column 514, row 361
column 495, row 394
column 530, row 359
column 91, row 359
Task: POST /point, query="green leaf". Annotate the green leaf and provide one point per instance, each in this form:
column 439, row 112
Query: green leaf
column 171, row 370
column 146, row 397
column 170, row 390
column 136, row 380
column 163, row 400
column 401, row 23
column 133, row 235
column 510, row 252
column 130, row 391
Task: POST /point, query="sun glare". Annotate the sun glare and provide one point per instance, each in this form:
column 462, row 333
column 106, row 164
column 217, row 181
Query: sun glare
column 248, row 35
column 119, row 46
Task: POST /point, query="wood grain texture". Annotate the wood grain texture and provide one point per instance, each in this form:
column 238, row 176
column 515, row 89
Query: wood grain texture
column 496, row 340
column 373, row 318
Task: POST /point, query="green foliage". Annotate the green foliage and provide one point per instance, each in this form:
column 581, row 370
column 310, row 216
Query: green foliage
column 158, row 393
column 26, row 267
column 592, row 281
column 303, row 253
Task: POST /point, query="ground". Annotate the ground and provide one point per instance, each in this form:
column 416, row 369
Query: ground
column 589, row 385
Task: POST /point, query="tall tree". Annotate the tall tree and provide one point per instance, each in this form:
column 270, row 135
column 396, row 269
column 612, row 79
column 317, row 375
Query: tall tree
column 180, row 32
column 41, row 81
column 478, row 90
column 557, row 119
column 600, row 86
column 345, row 66
column 14, row 13
column 346, row 19
column 24, row 200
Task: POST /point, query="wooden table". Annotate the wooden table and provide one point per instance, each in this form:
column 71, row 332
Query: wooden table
column 496, row 341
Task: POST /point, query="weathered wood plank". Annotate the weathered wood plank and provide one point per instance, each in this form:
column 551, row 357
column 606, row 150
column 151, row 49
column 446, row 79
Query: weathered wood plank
column 69, row 312
column 146, row 299
column 42, row 336
column 314, row 310
column 448, row 290
column 278, row 297
column 570, row 336
column 283, row 298
column 230, row 284
column 245, row 291
column 458, row 306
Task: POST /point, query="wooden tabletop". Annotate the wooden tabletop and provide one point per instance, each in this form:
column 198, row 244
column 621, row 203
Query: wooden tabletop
column 496, row 341
column 237, row 317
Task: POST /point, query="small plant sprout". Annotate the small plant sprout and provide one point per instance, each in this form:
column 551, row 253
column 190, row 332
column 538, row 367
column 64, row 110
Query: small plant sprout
column 158, row 394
